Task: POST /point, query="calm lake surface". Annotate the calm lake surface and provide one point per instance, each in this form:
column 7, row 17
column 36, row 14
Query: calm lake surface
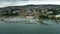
column 22, row 28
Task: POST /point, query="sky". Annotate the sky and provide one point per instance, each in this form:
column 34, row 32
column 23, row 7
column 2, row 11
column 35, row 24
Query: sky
column 4, row 3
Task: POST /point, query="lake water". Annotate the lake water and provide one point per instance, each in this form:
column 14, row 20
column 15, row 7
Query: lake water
column 22, row 28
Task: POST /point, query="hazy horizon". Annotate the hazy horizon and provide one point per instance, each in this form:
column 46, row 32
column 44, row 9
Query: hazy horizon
column 4, row 3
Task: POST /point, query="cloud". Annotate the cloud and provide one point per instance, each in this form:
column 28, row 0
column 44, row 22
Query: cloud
column 25, row 0
column 11, row 0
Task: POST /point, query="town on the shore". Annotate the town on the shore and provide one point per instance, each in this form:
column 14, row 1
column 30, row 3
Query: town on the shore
column 32, row 11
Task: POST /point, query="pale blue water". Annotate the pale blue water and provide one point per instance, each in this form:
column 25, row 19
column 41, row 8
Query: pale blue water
column 21, row 28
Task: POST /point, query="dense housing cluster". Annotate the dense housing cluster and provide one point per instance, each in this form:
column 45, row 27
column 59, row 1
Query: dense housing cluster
column 46, row 12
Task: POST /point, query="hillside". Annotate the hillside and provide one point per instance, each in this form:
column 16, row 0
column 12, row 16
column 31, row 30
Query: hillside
column 30, row 10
